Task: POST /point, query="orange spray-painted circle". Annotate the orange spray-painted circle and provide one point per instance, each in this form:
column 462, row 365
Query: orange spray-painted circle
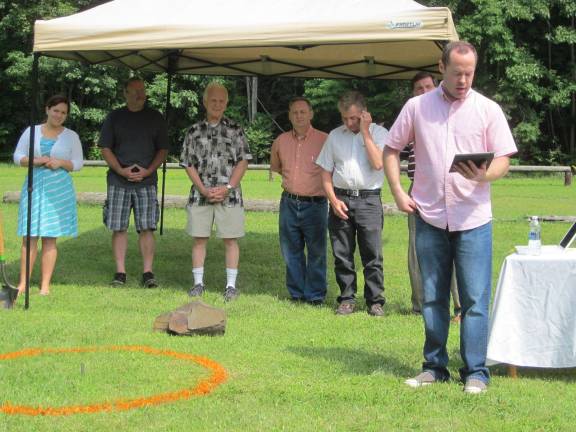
column 202, row 388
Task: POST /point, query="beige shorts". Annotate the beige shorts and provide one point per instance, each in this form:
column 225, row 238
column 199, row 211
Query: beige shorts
column 229, row 221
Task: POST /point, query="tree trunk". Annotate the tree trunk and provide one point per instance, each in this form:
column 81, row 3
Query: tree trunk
column 573, row 111
column 550, row 114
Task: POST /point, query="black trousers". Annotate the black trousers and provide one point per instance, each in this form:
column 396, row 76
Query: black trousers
column 364, row 226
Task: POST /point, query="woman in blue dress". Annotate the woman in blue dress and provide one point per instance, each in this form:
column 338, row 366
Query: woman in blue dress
column 57, row 151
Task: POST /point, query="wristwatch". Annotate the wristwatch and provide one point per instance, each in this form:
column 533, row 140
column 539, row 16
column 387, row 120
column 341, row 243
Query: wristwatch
column 229, row 187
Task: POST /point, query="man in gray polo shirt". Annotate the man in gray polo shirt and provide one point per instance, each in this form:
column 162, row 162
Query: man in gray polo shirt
column 352, row 176
column 134, row 142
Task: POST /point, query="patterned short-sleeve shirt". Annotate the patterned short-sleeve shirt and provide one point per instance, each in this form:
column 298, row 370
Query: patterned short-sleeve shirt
column 214, row 151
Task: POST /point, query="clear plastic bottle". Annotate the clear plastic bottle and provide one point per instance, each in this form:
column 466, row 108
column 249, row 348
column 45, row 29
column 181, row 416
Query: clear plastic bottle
column 534, row 242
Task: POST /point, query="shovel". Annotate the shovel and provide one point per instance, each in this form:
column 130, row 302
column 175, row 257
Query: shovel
column 8, row 293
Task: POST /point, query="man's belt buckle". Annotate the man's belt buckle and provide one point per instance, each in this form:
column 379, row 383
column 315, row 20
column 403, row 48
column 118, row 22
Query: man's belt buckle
column 353, row 192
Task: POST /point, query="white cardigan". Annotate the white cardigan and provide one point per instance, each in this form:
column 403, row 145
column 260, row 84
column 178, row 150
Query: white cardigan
column 66, row 147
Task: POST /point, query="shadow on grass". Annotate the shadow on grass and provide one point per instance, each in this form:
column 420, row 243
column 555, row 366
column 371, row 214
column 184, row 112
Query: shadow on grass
column 401, row 309
column 564, row 375
column 358, row 362
column 87, row 261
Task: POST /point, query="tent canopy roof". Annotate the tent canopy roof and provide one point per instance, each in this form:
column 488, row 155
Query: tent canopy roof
column 299, row 38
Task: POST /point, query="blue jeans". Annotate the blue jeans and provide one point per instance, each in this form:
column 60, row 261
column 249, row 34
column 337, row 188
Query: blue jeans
column 303, row 224
column 471, row 253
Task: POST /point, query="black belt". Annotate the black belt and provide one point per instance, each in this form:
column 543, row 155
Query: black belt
column 316, row 199
column 362, row 193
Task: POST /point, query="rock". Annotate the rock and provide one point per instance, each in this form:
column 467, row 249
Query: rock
column 178, row 323
column 196, row 318
column 161, row 322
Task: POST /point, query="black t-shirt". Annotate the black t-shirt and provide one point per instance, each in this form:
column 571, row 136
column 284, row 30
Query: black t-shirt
column 134, row 137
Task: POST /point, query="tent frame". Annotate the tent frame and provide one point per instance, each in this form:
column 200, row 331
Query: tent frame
column 168, row 62
column 236, row 67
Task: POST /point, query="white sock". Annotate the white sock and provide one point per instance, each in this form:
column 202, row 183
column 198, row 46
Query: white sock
column 231, row 277
column 198, row 274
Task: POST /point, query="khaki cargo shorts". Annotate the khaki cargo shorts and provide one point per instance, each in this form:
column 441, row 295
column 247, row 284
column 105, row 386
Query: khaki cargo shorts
column 229, row 221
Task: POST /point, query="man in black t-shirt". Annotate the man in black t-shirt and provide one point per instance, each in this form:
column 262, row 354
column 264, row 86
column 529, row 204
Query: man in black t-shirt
column 134, row 142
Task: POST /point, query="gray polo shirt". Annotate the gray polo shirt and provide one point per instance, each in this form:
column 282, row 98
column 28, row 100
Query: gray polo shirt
column 344, row 155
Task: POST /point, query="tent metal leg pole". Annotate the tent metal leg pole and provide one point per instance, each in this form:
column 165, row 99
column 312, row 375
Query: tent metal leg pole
column 162, row 198
column 167, row 115
column 33, row 96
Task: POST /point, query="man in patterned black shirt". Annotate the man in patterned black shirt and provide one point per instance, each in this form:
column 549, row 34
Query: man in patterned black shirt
column 215, row 155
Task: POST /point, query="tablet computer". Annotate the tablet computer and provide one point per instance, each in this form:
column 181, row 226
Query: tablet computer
column 477, row 158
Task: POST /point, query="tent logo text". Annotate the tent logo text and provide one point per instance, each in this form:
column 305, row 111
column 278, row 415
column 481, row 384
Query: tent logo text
column 393, row 25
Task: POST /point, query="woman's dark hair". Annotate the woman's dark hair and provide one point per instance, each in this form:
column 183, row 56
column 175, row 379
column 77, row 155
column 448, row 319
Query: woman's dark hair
column 57, row 99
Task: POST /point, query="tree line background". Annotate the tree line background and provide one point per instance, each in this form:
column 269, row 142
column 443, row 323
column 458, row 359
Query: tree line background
column 526, row 63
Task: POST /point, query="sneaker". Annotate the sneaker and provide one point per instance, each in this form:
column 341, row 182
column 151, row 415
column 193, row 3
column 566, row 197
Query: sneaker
column 475, row 386
column 376, row 310
column 230, row 293
column 345, row 308
column 197, row 290
column 317, row 302
column 119, row 279
column 425, row 378
column 149, row 281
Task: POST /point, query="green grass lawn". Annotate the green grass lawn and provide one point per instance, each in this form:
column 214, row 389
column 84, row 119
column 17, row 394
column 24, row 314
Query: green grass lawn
column 293, row 368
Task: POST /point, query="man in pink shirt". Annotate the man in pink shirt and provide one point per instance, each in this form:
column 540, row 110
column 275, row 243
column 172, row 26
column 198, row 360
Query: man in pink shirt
column 303, row 207
column 422, row 82
column 453, row 210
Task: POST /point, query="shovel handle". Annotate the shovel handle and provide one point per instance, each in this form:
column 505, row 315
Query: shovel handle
column 1, row 239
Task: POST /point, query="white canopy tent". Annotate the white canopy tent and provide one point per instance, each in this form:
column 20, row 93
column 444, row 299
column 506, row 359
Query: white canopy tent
column 297, row 38
column 372, row 39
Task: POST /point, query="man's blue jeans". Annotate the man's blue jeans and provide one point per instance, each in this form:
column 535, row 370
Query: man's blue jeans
column 303, row 224
column 471, row 253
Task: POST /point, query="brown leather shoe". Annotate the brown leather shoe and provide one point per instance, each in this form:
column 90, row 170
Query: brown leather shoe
column 456, row 318
column 376, row 310
column 345, row 309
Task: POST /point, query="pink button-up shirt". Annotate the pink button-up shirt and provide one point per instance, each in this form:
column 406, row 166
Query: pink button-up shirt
column 294, row 158
column 440, row 129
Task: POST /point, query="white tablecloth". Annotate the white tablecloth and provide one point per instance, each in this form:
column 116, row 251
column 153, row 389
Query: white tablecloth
column 533, row 321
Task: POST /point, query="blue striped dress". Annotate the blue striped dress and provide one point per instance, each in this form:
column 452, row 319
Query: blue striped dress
column 53, row 201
